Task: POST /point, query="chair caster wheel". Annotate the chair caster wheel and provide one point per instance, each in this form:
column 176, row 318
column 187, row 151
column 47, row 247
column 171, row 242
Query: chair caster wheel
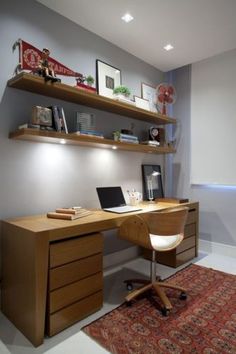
column 129, row 286
column 165, row 311
column 183, row 296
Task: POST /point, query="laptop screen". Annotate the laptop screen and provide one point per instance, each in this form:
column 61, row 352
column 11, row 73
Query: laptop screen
column 110, row 197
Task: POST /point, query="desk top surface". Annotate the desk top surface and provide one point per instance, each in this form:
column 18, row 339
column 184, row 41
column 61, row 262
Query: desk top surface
column 98, row 221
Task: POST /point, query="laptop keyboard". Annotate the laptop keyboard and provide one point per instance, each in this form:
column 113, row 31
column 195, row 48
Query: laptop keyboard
column 123, row 209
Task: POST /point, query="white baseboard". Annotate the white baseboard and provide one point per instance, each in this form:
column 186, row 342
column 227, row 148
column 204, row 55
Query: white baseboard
column 116, row 258
column 218, row 248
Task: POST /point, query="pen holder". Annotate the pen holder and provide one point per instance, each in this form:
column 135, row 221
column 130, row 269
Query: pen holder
column 135, row 198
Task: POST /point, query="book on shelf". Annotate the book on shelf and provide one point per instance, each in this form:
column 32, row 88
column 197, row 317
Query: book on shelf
column 150, row 142
column 92, row 133
column 56, row 119
column 62, row 118
column 128, row 136
column 127, row 140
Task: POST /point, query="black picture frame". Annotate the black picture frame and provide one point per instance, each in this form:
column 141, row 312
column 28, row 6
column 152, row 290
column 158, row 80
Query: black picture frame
column 107, row 78
column 157, row 187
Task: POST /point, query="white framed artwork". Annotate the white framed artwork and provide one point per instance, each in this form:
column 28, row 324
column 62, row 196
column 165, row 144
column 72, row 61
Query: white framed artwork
column 149, row 93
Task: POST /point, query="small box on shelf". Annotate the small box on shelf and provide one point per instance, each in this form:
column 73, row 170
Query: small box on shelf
column 172, row 200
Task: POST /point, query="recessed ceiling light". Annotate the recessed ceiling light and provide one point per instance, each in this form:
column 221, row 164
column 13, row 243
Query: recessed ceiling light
column 168, row 47
column 127, row 18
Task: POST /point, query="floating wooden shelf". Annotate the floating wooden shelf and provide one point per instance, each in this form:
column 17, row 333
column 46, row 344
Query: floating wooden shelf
column 42, row 136
column 36, row 84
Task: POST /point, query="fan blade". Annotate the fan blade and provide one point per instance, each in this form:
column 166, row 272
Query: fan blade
column 161, row 98
column 171, row 90
column 169, row 99
column 161, row 89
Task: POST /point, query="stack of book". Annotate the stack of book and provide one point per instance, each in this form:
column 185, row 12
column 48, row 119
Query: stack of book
column 151, row 142
column 93, row 133
column 69, row 213
column 126, row 138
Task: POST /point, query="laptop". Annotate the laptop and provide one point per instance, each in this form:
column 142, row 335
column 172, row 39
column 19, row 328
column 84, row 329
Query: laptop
column 112, row 199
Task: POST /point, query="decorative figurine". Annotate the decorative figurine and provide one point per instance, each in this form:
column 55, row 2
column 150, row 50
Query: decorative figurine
column 81, row 79
column 44, row 68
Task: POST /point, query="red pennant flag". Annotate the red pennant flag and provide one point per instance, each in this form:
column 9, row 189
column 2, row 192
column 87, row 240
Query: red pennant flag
column 30, row 56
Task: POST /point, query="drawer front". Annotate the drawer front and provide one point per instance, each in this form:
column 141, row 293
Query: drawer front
column 74, row 313
column 74, row 271
column 192, row 216
column 190, row 230
column 73, row 292
column 74, row 249
column 185, row 256
column 167, row 258
column 186, row 244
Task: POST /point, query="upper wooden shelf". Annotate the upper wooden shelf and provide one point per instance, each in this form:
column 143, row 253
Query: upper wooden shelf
column 73, row 139
column 36, row 84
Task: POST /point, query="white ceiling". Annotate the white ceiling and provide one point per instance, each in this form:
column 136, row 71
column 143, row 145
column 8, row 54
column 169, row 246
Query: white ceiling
column 197, row 29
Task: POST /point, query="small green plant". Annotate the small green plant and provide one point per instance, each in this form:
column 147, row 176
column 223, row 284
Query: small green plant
column 122, row 90
column 90, row 80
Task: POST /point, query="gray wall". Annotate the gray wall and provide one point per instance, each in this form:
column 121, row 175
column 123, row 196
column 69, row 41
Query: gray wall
column 36, row 178
column 217, row 205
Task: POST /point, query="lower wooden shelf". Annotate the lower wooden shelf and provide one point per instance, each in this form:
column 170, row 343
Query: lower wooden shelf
column 42, row 136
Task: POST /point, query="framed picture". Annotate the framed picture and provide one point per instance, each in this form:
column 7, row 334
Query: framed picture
column 108, row 77
column 142, row 103
column 149, row 93
column 152, row 182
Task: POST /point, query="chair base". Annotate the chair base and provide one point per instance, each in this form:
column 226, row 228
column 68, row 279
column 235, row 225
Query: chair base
column 157, row 286
column 129, row 282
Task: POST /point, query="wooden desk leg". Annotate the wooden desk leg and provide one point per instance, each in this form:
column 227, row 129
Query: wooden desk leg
column 24, row 283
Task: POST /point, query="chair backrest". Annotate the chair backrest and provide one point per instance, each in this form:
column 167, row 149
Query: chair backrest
column 167, row 222
column 137, row 228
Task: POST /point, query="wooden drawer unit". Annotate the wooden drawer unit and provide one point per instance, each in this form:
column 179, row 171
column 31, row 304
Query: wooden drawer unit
column 188, row 249
column 75, row 288
column 75, row 312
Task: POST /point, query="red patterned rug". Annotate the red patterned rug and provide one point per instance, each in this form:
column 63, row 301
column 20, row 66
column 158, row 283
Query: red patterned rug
column 205, row 323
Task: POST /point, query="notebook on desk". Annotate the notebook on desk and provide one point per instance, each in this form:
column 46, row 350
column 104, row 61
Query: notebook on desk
column 112, row 199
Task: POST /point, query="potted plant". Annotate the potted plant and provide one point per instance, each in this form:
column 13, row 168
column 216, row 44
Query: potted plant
column 90, row 80
column 121, row 91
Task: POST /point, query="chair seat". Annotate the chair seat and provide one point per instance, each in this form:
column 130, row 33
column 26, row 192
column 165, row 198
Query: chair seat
column 162, row 243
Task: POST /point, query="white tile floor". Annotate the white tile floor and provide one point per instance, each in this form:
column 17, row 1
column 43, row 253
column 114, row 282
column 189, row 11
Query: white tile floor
column 72, row 340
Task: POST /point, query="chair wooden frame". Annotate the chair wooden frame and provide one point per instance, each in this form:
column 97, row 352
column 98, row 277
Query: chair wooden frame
column 137, row 229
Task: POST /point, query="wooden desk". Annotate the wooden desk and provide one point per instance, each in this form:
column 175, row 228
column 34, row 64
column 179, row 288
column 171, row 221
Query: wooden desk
column 34, row 248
